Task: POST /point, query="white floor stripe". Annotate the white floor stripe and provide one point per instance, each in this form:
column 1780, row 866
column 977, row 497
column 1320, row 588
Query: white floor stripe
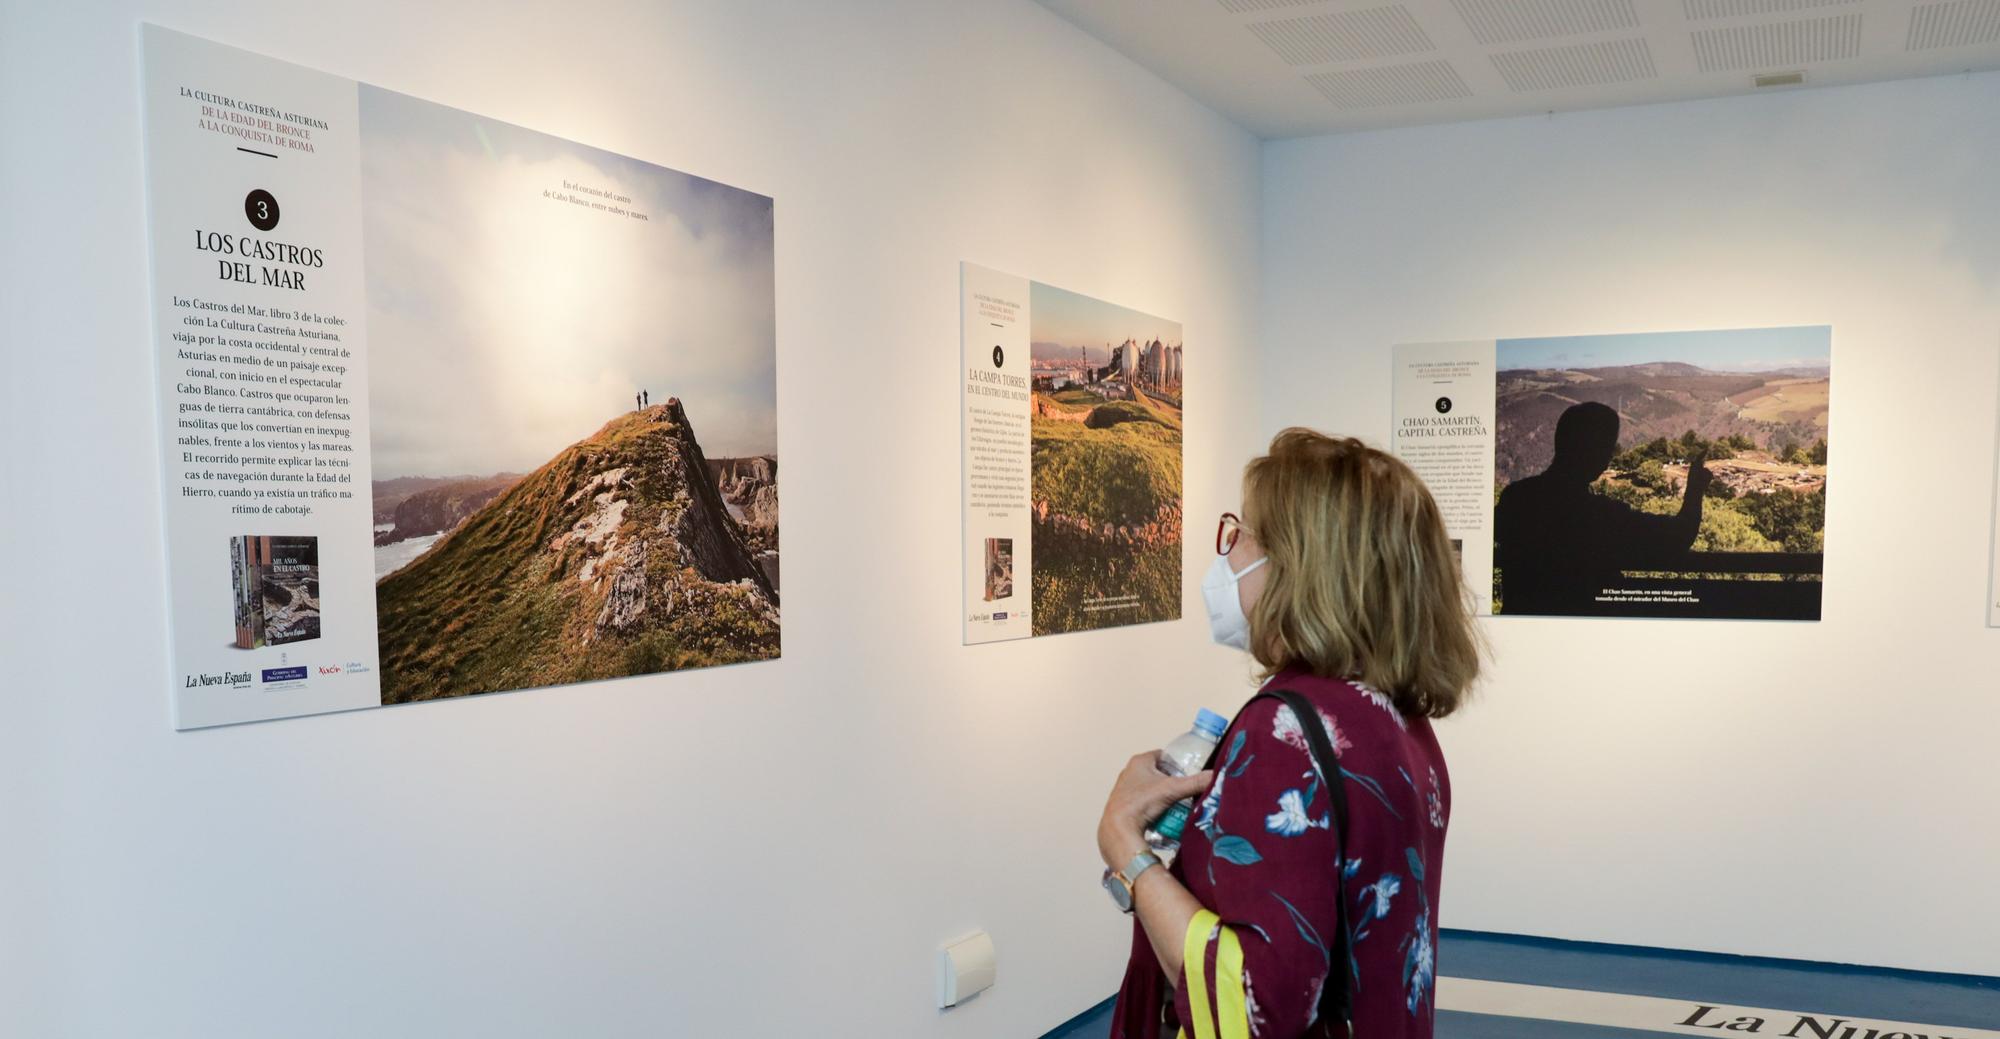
column 1674, row 1016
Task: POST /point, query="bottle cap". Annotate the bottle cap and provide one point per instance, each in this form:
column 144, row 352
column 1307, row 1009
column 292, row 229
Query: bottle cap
column 1210, row 723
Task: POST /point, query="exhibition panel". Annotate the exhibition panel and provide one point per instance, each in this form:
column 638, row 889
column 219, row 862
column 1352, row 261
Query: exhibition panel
column 1993, row 590
column 415, row 352
column 1674, row 474
column 1073, row 427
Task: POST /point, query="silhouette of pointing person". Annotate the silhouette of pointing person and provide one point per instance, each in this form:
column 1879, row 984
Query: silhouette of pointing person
column 1558, row 544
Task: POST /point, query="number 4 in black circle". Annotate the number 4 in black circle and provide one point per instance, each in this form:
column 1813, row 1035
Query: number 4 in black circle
column 262, row 209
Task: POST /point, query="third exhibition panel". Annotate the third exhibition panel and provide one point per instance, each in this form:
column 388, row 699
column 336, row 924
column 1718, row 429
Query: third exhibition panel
column 1669, row 474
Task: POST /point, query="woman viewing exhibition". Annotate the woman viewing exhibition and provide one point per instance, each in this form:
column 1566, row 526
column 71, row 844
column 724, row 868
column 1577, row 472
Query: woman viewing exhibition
column 1272, row 921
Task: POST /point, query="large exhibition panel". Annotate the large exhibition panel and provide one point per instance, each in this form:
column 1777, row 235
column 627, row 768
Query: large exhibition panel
column 430, row 386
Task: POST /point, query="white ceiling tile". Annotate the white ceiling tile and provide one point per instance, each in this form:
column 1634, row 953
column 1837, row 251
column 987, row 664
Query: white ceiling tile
column 1290, row 68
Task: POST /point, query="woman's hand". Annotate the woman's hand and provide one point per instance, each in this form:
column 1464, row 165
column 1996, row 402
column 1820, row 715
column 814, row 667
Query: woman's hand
column 1141, row 794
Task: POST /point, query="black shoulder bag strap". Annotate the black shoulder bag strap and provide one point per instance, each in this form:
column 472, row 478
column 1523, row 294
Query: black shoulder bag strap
column 1335, row 997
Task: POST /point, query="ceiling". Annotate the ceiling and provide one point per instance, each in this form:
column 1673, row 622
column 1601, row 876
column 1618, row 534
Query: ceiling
column 1290, row 68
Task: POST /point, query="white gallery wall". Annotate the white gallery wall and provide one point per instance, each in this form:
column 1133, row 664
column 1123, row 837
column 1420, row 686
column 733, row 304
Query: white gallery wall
column 779, row 848
column 1822, row 791
column 768, row 849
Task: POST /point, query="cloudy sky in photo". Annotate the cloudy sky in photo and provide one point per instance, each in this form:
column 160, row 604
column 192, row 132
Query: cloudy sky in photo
column 1723, row 350
column 504, row 326
column 1071, row 319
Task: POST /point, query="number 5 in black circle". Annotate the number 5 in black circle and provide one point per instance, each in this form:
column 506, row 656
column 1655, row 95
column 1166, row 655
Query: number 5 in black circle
column 262, row 209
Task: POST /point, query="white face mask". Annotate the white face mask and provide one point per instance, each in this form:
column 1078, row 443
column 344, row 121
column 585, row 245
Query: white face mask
column 1226, row 622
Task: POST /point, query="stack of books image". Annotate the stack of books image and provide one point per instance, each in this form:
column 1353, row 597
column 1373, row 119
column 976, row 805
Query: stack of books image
column 276, row 581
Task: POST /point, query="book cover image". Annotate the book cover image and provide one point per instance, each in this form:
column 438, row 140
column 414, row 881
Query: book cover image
column 999, row 568
column 276, row 585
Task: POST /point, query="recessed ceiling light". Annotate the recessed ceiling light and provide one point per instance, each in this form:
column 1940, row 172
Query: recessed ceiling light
column 1779, row 79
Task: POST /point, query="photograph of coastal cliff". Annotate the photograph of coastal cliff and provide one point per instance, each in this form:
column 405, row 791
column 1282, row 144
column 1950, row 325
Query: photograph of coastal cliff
column 1105, row 431
column 1675, row 474
column 572, row 409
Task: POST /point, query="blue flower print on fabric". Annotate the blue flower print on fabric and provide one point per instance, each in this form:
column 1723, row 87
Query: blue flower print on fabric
column 1420, row 949
column 1228, row 847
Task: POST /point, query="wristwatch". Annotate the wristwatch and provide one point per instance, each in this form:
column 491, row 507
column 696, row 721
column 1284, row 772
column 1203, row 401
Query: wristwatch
column 1119, row 883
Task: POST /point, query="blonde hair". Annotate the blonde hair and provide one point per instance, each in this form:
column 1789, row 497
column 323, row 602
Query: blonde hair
column 1363, row 582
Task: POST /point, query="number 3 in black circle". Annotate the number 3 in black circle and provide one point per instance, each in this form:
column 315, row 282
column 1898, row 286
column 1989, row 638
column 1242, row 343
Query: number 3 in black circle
column 262, row 209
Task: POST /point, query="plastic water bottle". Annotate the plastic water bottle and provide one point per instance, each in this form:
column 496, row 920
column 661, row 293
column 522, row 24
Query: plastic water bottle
column 1184, row 757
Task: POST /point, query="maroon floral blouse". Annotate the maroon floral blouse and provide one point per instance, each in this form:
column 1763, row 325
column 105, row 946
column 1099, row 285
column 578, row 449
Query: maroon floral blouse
column 1260, row 854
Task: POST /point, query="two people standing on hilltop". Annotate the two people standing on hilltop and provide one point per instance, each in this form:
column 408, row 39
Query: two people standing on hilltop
column 642, row 400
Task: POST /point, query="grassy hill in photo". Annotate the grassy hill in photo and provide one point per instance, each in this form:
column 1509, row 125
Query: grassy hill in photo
column 1107, row 499
column 1663, row 399
column 617, row 557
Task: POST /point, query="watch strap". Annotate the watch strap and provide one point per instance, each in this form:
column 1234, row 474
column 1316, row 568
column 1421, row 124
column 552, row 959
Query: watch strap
column 1140, row 863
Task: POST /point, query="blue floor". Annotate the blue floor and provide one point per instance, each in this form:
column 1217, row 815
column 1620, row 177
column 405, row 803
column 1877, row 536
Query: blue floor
column 1094, row 1023
column 1862, row 992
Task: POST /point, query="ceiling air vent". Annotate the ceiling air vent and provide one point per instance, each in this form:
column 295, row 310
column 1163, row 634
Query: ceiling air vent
column 1740, row 48
column 1778, row 79
column 1379, row 32
column 1515, row 21
column 1697, row 10
column 1576, row 65
column 1960, row 24
column 1247, row 6
column 1411, row 84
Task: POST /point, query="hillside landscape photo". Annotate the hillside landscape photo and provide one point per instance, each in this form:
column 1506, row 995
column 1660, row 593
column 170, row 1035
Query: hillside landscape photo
column 545, row 512
column 619, row 557
column 1751, row 407
column 1768, row 413
column 1105, row 431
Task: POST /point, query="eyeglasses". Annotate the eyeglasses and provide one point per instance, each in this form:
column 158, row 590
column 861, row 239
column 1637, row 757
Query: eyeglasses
column 1226, row 533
